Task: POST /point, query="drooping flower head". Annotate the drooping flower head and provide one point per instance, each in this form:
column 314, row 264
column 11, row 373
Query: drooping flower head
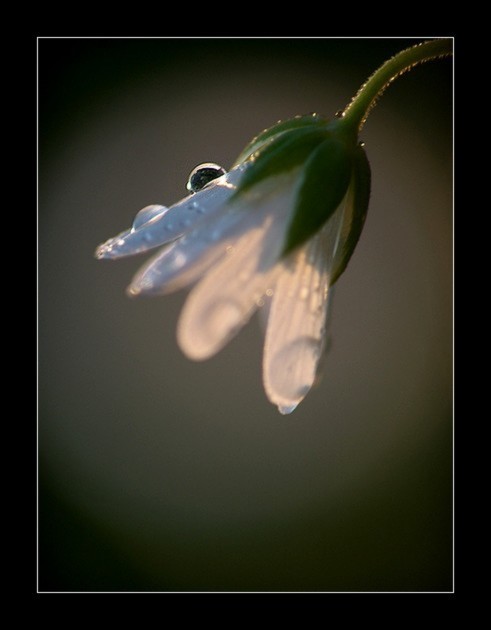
column 275, row 232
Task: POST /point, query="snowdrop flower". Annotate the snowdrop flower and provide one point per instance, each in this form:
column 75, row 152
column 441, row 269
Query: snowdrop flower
column 275, row 232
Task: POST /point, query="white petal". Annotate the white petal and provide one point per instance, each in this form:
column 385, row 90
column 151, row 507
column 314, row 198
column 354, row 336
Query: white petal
column 169, row 224
column 295, row 333
column 230, row 293
column 186, row 260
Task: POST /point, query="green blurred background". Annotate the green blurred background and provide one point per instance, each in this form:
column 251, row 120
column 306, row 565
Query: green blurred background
column 159, row 474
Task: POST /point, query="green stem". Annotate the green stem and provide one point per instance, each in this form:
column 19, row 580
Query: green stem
column 356, row 113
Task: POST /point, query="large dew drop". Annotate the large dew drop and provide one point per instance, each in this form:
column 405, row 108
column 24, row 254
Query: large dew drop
column 202, row 175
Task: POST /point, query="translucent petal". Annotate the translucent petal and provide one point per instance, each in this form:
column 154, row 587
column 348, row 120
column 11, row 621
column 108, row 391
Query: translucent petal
column 230, row 293
column 173, row 222
column 295, row 335
column 295, row 332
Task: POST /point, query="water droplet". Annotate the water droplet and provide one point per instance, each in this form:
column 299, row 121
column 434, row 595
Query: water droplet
column 260, row 301
column 304, row 293
column 269, row 292
column 214, row 235
column 146, row 214
column 202, row 175
column 361, row 144
column 286, row 409
column 244, row 276
column 339, row 113
column 133, row 290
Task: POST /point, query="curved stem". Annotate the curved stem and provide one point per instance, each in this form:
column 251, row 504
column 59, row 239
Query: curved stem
column 357, row 111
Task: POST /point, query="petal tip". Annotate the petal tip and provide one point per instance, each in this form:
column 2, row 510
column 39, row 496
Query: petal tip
column 133, row 290
column 103, row 251
column 285, row 410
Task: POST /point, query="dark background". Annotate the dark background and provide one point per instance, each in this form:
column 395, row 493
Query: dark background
column 156, row 473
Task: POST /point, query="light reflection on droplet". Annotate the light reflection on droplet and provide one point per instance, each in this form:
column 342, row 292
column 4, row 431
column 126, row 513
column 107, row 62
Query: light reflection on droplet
column 202, row 175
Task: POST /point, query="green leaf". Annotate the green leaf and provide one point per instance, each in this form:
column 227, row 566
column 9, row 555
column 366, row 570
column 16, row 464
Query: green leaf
column 288, row 150
column 266, row 136
column 356, row 212
column 326, row 177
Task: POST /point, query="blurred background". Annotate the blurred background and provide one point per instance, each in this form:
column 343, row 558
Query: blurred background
column 160, row 474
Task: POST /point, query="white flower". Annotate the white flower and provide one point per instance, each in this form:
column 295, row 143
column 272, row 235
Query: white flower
column 275, row 232
column 228, row 240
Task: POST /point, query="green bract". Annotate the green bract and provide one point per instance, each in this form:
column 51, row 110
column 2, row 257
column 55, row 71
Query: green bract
column 268, row 135
column 325, row 179
column 333, row 170
column 355, row 211
column 283, row 153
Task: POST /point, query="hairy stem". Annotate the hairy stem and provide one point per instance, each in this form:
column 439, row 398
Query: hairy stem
column 356, row 113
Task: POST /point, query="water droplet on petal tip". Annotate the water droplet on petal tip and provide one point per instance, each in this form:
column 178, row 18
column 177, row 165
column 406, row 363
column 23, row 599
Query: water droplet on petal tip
column 286, row 409
column 133, row 290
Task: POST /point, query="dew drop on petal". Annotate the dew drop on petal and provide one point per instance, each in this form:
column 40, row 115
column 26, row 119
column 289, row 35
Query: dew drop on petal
column 214, row 235
column 285, row 410
column 146, row 214
column 202, row 175
column 245, row 275
column 304, row 293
